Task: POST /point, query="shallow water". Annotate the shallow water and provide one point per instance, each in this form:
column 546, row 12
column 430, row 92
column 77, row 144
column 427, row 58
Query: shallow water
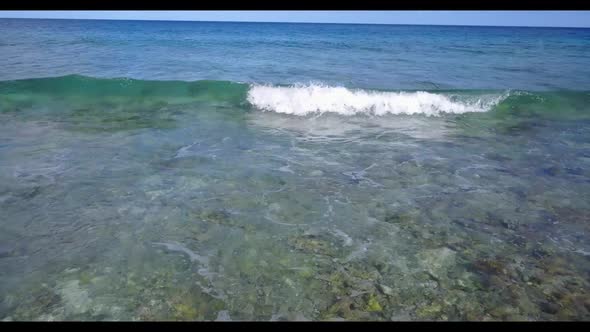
column 197, row 201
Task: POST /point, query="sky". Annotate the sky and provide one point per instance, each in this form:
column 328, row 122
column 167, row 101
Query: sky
column 496, row 18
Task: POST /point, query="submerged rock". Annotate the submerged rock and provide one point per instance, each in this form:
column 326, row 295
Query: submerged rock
column 221, row 217
column 550, row 308
column 341, row 308
column 400, row 219
column 326, row 244
column 437, row 262
column 386, row 290
column 490, row 266
column 510, row 223
column 185, row 312
column 76, row 299
column 311, row 244
column 223, row 316
column 176, row 247
column 432, row 310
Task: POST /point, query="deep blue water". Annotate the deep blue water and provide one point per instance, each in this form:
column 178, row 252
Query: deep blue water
column 366, row 56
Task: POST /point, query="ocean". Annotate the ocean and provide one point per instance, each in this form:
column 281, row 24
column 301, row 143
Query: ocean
column 154, row 170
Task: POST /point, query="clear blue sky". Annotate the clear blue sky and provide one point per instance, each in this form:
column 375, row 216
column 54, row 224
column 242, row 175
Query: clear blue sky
column 501, row 18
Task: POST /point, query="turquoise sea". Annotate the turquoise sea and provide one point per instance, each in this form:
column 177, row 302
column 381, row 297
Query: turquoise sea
column 154, row 170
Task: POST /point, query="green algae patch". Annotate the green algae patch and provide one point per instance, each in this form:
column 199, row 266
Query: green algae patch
column 185, row 312
column 373, row 304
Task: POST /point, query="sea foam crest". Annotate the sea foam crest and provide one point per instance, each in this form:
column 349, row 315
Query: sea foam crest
column 303, row 100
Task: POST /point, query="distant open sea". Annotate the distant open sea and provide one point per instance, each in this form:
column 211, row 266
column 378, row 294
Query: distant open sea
column 155, row 170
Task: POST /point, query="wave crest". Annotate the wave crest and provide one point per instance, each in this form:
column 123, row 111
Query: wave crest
column 304, row 100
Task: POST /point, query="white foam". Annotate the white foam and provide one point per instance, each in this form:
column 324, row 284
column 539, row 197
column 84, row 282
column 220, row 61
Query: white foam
column 313, row 98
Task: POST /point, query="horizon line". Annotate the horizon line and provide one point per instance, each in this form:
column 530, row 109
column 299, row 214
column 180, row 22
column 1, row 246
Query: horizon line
column 275, row 22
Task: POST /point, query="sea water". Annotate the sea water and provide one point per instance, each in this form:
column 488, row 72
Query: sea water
column 262, row 171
